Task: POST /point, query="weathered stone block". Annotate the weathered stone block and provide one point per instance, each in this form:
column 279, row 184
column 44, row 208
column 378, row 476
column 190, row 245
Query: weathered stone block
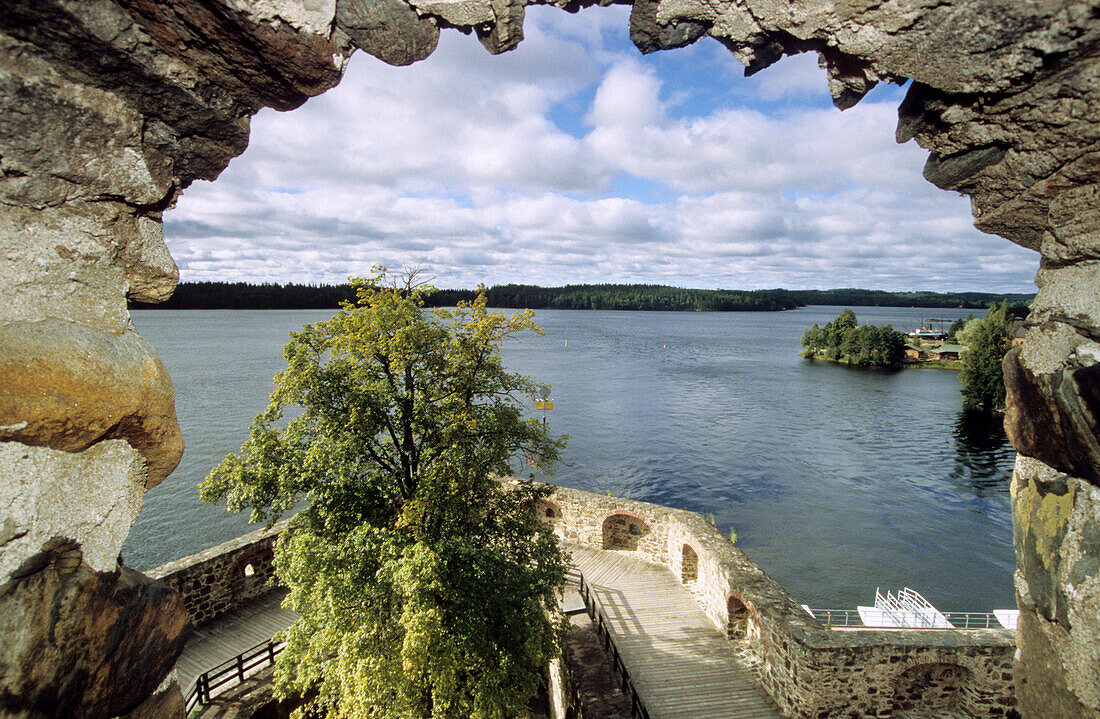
column 82, row 643
column 391, row 30
column 67, row 386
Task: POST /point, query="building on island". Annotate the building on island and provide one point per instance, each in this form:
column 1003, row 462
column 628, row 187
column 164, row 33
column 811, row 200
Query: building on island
column 947, row 352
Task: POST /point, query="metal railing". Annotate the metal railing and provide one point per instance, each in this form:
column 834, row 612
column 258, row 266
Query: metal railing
column 906, row 608
column 850, row 619
column 836, row 617
column 235, row 669
column 973, row 620
column 637, row 707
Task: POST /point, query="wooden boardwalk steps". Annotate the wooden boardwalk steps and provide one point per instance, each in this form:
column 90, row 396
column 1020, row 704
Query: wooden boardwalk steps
column 229, row 635
column 681, row 665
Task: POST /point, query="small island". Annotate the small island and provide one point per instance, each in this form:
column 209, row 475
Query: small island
column 976, row 346
column 845, row 340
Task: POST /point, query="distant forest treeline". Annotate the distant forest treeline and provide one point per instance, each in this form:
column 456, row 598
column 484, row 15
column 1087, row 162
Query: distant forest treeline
column 622, row 297
column 272, row 296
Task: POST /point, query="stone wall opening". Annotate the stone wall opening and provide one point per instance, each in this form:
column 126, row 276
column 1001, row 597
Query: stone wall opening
column 737, row 622
column 689, row 564
column 548, row 511
column 251, row 571
column 937, row 687
column 624, row 531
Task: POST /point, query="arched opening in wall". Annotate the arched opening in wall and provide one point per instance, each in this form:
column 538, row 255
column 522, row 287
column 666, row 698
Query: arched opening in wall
column 624, row 531
column 548, row 511
column 932, row 687
column 689, row 564
column 250, row 571
column 737, row 621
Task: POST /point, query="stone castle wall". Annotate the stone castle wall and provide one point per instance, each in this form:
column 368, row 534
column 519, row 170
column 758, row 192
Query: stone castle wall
column 215, row 580
column 809, row 670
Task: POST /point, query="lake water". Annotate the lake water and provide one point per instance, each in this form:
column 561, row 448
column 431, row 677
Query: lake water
column 837, row 480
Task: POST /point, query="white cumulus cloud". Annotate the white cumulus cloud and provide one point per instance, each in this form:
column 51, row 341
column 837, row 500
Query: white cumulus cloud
column 574, row 159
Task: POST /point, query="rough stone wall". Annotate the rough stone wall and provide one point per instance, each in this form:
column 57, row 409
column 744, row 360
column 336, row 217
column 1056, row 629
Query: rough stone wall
column 811, row 671
column 215, row 580
column 107, row 110
column 110, row 108
column 583, row 516
column 866, row 677
column 560, row 689
column 1057, row 537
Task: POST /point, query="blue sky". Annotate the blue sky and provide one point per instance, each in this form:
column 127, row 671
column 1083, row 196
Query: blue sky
column 576, row 159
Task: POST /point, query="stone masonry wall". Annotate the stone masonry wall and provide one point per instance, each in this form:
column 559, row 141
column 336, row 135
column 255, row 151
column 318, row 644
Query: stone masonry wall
column 559, row 689
column 809, row 670
column 215, row 580
column 584, row 516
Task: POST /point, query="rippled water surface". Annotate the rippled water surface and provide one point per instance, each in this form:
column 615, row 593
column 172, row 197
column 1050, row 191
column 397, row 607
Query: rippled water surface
column 836, row 480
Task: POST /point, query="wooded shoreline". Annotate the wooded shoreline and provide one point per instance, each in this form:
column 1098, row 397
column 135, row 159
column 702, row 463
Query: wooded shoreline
column 642, row 297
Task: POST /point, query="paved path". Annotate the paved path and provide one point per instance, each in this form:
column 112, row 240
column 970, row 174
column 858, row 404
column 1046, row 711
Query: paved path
column 681, row 665
column 232, row 633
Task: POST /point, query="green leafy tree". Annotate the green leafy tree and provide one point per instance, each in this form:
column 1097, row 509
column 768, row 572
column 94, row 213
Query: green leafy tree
column 421, row 582
column 846, row 320
column 844, row 338
column 953, row 330
column 967, row 334
column 813, row 340
column 890, row 345
column 836, row 330
column 855, row 344
column 982, row 377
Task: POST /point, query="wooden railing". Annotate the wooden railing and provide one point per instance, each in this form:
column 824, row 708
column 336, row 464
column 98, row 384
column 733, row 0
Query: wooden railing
column 235, row 669
column 637, row 707
column 238, row 668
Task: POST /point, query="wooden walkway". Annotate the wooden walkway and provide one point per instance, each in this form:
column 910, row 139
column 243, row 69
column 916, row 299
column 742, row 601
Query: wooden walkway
column 681, row 665
column 231, row 634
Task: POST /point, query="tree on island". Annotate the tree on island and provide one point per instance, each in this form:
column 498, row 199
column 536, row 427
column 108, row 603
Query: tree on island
column 987, row 340
column 844, row 339
column 421, row 583
column 955, row 328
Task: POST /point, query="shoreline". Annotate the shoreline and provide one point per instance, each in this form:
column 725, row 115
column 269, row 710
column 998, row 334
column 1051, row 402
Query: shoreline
column 930, row 364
